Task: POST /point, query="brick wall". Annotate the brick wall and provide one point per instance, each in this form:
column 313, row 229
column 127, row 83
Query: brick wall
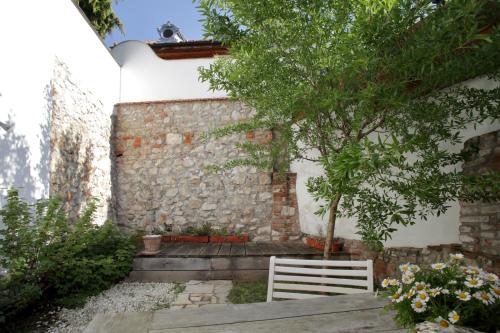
column 285, row 222
column 480, row 221
column 161, row 175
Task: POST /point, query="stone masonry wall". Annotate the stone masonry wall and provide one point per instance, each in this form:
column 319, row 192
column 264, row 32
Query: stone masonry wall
column 479, row 221
column 80, row 162
column 161, row 161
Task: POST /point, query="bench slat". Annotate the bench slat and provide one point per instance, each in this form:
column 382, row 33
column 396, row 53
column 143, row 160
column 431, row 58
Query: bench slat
column 326, row 289
column 314, row 279
column 282, row 295
column 328, row 263
column 320, row 271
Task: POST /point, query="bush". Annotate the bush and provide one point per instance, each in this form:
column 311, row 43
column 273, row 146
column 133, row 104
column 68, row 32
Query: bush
column 445, row 293
column 46, row 256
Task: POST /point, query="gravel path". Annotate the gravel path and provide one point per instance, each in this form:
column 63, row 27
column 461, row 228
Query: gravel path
column 123, row 297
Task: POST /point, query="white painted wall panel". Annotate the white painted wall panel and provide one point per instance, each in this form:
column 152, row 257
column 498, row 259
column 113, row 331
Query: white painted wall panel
column 438, row 230
column 147, row 77
column 34, row 34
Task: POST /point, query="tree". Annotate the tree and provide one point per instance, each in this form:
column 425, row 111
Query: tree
column 101, row 15
column 357, row 87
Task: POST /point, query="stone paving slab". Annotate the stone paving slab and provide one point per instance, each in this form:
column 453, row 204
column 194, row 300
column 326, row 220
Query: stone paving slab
column 202, row 293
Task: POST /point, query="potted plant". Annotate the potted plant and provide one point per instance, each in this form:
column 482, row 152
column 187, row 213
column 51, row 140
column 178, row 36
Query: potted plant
column 223, row 236
column 445, row 293
column 319, row 244
column 195, row 234
column 152, row 241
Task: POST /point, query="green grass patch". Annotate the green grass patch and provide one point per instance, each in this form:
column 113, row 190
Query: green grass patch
column 248, row 292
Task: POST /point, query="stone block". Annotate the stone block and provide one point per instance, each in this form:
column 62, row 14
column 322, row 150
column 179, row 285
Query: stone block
column 174, row 138
column 208, row 206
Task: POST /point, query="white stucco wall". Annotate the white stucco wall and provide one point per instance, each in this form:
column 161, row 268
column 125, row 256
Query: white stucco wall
column 438, row 230
column 147, row 77
column 34, row 34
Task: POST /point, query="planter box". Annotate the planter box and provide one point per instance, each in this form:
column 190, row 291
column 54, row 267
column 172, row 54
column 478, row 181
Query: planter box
column 166, row 238
column 319, row 244
column 189, row 239
column 229, row 239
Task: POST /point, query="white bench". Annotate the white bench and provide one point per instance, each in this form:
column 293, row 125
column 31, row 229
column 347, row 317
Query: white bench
column 301, row 279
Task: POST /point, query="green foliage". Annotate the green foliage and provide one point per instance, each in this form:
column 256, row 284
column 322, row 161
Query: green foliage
column 357, row 87
column 203, row 230
column 47, row 257
column 446, row 293
column 101, row 15
column 248, row 292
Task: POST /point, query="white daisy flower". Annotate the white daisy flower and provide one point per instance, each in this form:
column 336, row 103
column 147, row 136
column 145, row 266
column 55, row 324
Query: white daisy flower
column 385, row 283
column 418, row 305
column 408, row 278
column 438, row 266
column 394, row 282
column 397, row 296
column 462, row 295
column 414, row 268
column 484, row 297
column 452, row 282
column 423, row 296
column 445, row 291
column 410, row 293
column 495, row 291
column 456, row 257
column 442, row 322
column 453, row 317
column 435, row 291
column 404, row 268
column 474, row 270
column 473, row 282
column 420, row 286
column 490, row 277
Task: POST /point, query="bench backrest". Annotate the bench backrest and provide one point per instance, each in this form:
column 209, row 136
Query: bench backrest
column 301, row 279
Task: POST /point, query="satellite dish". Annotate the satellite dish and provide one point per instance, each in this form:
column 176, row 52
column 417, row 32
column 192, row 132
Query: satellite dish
column 170, row 33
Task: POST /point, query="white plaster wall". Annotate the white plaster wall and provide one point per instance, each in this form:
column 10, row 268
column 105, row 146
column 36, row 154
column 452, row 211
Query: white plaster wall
column 438, row 230
column 34, row 34
column 147, row 77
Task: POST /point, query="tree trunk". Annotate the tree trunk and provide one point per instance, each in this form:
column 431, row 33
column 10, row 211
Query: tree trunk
column 332, row 217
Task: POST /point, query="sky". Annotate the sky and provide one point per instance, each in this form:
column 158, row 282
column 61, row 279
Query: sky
column 141, row 18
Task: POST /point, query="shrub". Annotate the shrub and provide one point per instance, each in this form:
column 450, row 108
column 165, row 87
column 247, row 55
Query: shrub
column 445, row 293
column 46, row 256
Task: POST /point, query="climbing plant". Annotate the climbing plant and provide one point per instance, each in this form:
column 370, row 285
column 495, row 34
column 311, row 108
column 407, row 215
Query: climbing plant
column 101, row 15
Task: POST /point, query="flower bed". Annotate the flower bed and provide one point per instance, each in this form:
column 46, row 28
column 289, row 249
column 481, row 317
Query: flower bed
column 447, row 294
column 229, row 239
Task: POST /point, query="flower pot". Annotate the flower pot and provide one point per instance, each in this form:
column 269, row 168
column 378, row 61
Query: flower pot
column 191, row 239
column 229, row 239
column 319, row 244
column 152, row 244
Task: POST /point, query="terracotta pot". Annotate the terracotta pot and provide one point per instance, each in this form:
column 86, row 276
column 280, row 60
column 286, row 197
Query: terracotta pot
column 320, row 244
column 191, row 239
column 229, row 239
column 152, row 244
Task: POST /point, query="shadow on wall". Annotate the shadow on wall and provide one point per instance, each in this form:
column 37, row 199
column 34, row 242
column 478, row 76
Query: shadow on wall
column 16, row 168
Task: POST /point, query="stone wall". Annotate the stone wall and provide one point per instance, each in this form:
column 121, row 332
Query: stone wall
column 162, row 179
column 480, row 221
column 80, row 163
